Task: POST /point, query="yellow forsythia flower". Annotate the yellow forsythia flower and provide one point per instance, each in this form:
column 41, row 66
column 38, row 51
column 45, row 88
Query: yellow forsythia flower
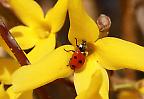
column 106, row 53
column 38, row 31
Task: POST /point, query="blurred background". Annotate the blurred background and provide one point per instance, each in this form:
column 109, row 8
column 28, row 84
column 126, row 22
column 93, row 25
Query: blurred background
column 127, row 23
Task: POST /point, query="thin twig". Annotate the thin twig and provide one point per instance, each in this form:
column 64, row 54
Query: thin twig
column 13, row 45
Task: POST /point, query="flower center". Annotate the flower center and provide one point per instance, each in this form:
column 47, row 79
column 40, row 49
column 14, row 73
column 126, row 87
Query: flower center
column 43, row 31
column 90, row 48
column 43, row 35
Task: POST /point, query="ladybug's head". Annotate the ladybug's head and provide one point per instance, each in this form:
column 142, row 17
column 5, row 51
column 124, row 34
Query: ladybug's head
column 83, row 46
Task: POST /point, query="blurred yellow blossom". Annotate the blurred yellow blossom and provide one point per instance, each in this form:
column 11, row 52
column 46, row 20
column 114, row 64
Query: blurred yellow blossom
column 3, row 93
column 9, row 94
column 7, row 67
column 125, row 94
column 38, row 31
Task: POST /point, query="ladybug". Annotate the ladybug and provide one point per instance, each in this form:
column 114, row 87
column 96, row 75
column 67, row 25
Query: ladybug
column 78, row 57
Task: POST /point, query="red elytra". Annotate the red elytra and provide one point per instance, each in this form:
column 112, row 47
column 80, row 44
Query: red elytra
column 77, row 60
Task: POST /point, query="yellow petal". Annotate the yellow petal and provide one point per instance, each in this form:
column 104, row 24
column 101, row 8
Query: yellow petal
column 3, row 94
column 48, row 69
column 25, row 36
column 114, row 53
column 42, row 48
column 26, row 95
column 28, row 11
column 56, row 16
column 7, row 67
column 22, row 95
column 83, row 79
column 82, row 26
column 12, row 94
column 93, row 90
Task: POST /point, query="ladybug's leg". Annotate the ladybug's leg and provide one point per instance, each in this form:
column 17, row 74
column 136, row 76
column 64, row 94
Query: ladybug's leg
column 76, row 42
column 69, row 62
column 69, row 50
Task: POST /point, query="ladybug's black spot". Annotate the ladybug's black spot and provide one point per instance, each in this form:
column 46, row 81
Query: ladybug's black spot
column 72, row 66
column 75, row 57
column 80, row 61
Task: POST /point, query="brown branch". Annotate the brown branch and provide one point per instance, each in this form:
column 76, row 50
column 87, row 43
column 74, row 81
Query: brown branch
column 13, row 45
column 128, row 20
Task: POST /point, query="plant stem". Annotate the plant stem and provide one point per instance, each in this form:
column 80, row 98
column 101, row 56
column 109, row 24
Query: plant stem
column 13, row 45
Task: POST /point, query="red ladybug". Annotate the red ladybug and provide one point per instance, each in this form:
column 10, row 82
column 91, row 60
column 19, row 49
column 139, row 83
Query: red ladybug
column 78, row 57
